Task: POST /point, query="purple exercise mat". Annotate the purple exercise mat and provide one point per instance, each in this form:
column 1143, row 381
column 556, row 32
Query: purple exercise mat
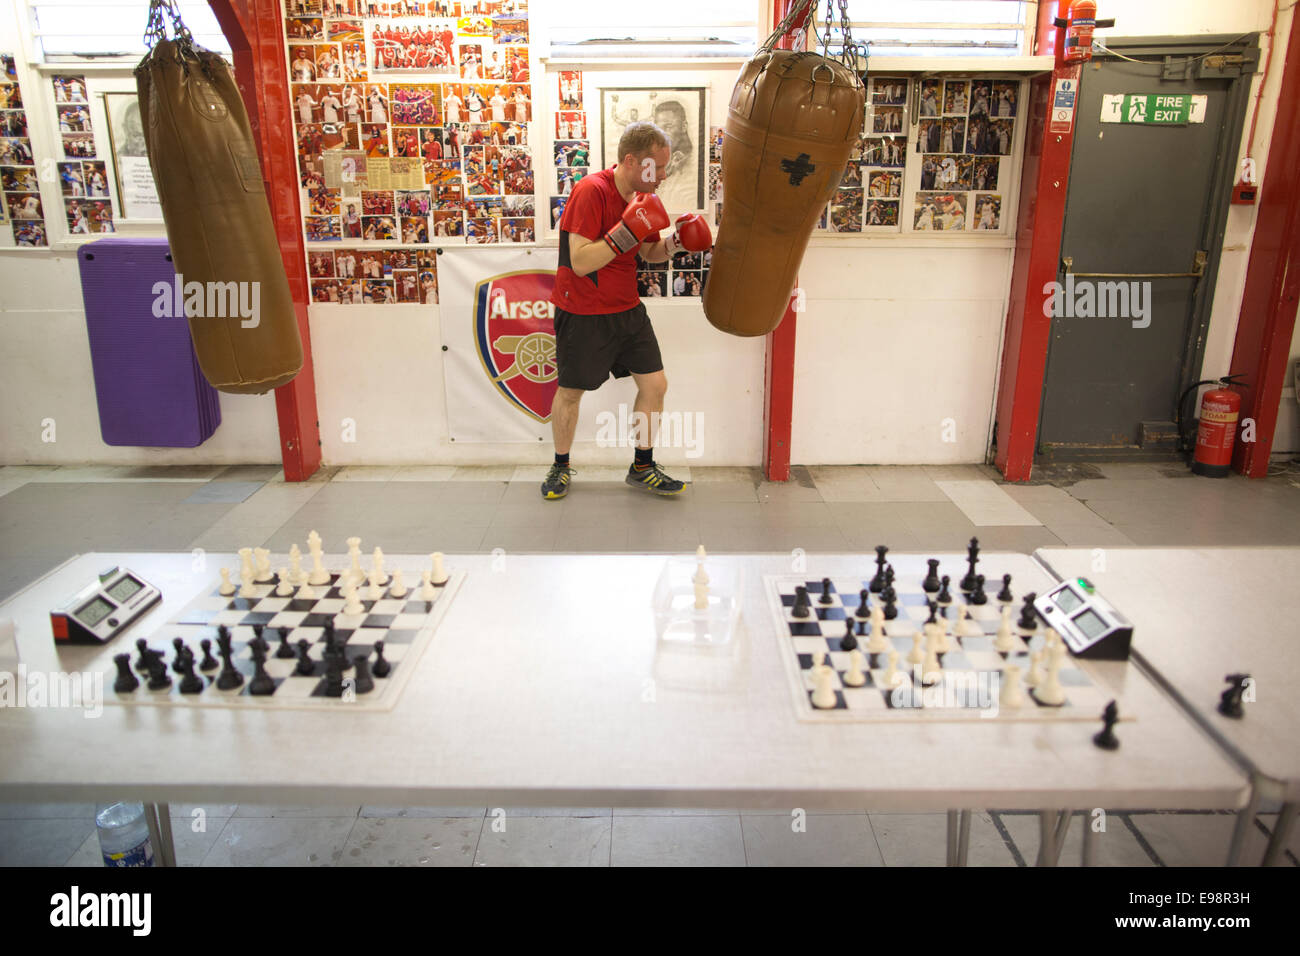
column 147, row 379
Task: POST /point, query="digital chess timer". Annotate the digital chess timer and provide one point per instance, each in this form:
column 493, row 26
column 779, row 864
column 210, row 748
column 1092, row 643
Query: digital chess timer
column 104, row 608
column 1086, row 621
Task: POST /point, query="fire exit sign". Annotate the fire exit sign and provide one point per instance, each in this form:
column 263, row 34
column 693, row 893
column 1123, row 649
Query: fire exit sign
column 1156, row 109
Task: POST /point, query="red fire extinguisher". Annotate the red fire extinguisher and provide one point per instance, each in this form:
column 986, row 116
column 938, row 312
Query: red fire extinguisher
column 1218, row 429
column 1079, row 25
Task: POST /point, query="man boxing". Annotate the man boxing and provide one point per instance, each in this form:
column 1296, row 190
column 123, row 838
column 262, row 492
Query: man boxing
column 601, row 327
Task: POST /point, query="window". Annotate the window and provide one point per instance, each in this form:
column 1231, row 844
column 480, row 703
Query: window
column 71, row 30
column 993, row 28
column 593, row 29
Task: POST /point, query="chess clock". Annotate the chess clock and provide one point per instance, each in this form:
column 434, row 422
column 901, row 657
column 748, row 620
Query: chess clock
column 1086, row 621
column 104, row 608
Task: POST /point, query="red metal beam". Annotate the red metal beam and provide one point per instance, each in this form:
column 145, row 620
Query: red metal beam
column 778, row 374
column 1044, row 178
column 1268, row 303
column 255, row 30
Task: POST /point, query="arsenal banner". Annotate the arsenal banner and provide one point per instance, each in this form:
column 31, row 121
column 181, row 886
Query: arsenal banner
column 498, row 338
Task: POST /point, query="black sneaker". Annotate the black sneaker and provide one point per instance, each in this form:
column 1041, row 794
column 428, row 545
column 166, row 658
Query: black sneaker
column 556, row 484
column 654, row 481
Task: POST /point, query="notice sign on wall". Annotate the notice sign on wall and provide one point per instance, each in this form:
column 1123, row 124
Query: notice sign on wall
column 1156, row 109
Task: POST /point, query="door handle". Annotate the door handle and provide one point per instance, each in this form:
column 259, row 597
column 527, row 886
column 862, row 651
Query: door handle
column 1198, row 270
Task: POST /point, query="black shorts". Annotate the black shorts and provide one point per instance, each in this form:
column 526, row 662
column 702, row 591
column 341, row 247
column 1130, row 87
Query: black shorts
column 589, row 348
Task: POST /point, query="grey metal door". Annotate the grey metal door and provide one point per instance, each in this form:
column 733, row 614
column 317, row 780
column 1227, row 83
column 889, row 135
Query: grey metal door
column 1146, row 203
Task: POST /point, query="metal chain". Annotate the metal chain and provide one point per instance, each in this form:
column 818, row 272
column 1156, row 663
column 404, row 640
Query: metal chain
column 849, row 50
column 160, row 11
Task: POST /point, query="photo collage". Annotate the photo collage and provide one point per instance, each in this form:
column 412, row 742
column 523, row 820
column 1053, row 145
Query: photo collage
column 21, row 186
column 572, row 145
column 412, row 122
column 83, row 179
column 964, row 129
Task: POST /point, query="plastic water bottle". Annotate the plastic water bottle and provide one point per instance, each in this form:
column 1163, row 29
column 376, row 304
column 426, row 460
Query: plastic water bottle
column 123, row 834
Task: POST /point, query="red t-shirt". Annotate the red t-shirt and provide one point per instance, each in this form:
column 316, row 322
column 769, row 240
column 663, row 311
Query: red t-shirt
column 593, row 209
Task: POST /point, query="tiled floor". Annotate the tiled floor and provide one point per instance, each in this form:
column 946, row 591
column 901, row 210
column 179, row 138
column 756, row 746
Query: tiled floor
column 48, row 514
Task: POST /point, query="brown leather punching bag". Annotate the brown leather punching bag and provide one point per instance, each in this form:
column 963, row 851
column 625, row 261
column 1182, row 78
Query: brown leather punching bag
column 219, row 225
column 793, row 121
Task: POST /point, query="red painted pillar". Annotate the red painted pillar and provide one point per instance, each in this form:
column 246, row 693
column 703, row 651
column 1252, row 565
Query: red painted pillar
column 778, row 375
column 1261, row 349
column 1044, row 179
column 255, row 30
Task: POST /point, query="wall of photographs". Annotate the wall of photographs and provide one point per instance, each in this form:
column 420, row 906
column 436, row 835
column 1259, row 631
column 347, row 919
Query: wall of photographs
column 954, row 179
column 22, row 208
column 83, row 177
column 413, row 121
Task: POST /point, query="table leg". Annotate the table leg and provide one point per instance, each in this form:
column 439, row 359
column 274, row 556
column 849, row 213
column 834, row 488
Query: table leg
column 1245, row 820
column 952, row 838
column 1062, row 828
column 1281, row 832
column 963, row 838
column 158, row 818
column 1089, row 844
column 1046, row 833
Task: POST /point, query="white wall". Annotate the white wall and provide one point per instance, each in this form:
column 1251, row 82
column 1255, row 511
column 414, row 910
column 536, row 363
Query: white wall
column 898, row 335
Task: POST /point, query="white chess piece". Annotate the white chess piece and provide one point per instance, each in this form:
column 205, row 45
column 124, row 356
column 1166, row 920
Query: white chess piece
column 1050, row 639
column 701, row 592
column 439, row 573
column 318, row 574
column 931, row 669
column 941, row 643
column 915, row 655
column 855, row 677
column 227, row 586
column 427, row 591
column 283, row 587
column 1035, row 676
column 378, row 561
column 296, row 576
column 306, row 593
column 246, row 562
column 262, row 558
column 1005, row 641
column 351, row 603
column 892, row 677
column 1011, row 696
column 397, row 589
column 1050, row 691
column 877, row 643
column 823, row 695
column 246, row 589
column 374, row 592
column 354, row 553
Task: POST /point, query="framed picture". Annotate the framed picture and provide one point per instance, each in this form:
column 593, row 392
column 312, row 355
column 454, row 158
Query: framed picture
column 136, row 193
column 680, row 112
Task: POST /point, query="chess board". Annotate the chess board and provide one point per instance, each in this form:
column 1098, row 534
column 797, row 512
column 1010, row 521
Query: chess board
column 406, row 625
column 971, row 670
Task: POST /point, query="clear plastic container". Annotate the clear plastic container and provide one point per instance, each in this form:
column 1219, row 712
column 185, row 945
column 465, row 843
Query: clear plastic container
column 123, row 834
column 677, row 619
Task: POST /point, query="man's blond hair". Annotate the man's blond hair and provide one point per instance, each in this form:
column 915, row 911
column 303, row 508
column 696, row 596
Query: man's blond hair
column 640, row 138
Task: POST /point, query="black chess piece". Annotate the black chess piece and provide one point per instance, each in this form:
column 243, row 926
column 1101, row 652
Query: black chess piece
column 934, row 610
column 849, row 641
column 889, row 575
column 1230, row 699
column 1106, row 738
column 333, row 677
column 827, row 597
column 285, row 651
column 262, row 684
column 945, row 596
column 126, row 681
column 931, row 582
column 222, row 631
column 158, row 679
column 1028, row 616
column 178, row 662
column 381, row 666
column 1005, row 596
column 878, row 580
column 191, row 683
column 363, row 683
column 801, row 607
column 306, row 666
column 864, row 604
column 890, row 599
column 972, row 559
column 209, row 662
column 977, row 595
column 229, row 678
column 142, row 662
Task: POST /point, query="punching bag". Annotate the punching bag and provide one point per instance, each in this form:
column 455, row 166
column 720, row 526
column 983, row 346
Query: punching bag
column 793, row 121
column 223, row 242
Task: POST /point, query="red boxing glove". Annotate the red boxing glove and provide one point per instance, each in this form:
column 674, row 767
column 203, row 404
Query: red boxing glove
column 644, row 215
column 692, row 235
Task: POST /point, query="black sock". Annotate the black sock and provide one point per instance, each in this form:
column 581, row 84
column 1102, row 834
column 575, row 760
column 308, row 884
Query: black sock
column 562, row 459
column 645, row 457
